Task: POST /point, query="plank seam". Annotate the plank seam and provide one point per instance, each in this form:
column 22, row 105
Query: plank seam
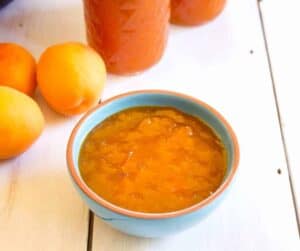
column 89, row 246
column 279, row 117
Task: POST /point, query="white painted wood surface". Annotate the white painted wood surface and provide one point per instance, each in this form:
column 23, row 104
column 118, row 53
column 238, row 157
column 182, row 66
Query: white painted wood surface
column 214, row 63
column 39, row 209
column 281, row 20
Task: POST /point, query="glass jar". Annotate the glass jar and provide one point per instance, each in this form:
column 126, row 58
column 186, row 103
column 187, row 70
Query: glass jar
column 130, row 35
column 195, row 12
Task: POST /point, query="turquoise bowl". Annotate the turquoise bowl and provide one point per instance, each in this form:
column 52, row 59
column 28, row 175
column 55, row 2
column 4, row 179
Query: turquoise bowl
column 151, row 224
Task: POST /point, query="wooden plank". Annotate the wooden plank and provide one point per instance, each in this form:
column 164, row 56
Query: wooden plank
column 214, row 63
column 281, row 19
column 39, row 208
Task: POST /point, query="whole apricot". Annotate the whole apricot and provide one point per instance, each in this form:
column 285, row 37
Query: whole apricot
column 21, row 122
column 17, row 68
column 71, row 77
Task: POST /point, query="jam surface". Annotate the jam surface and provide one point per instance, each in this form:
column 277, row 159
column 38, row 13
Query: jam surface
column 152, row 159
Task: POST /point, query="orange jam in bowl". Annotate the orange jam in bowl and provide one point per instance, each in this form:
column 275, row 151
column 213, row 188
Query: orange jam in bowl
column 153, row 160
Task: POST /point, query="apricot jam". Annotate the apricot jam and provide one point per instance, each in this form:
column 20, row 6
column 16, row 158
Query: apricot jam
column 195, row 12
column 130, row 35
column 153, row 159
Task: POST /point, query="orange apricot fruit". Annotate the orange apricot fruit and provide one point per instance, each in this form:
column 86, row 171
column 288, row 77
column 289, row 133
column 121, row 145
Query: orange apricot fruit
column 71, row 77
column 17, row 68
column 21, row 122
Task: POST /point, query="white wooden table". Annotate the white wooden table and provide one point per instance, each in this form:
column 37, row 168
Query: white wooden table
column 244, row 64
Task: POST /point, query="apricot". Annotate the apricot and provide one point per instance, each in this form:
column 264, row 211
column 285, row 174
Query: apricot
column 71, row 77
column 21, row 122
column 17, row 68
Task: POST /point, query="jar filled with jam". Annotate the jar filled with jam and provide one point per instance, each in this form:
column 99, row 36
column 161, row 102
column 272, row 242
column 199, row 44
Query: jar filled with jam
column 130, row 35
column 195, row 12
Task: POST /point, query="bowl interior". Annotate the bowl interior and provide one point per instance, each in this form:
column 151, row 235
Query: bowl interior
column 189, row 106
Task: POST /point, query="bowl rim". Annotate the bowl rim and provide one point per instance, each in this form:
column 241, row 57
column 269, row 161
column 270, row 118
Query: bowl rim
column 135, row 214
